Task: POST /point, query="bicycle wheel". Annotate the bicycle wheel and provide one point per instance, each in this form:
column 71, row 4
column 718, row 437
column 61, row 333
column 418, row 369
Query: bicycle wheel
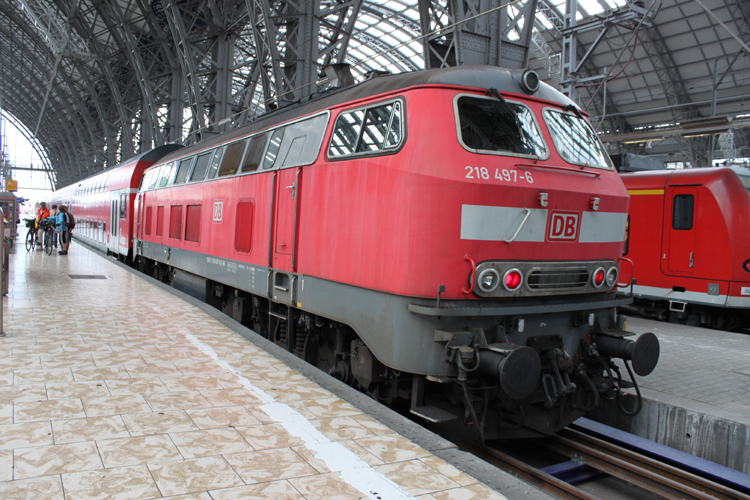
column 29, row 241
column 48, row 242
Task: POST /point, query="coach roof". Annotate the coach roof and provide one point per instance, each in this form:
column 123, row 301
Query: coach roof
column 482, row 77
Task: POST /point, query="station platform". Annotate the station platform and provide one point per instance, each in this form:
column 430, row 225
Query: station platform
column 115, row 386
column 697, row 400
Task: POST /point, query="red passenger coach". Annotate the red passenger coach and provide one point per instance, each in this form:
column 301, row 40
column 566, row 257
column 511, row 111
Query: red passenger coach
column 690, row 244
column 103, row 203
column 422, row 236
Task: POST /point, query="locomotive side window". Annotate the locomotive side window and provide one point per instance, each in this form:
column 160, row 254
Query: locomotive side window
column 488, row 124
column 175, row 222
column 193, row 223
column 576, row 142
column 231, row 159
column 166, row 174
column 159, row 220
column 346, row 133
column 682, row 212
column 215, row 162
column 368, row 130
column 243, row 229
column 154, row 172
column 201, row 167
column 149, row 218
column 183, row 170
column 254, row 153
column 273, row 148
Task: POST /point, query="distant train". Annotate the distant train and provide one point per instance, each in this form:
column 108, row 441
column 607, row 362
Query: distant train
column 425, row 237
column 689, row 238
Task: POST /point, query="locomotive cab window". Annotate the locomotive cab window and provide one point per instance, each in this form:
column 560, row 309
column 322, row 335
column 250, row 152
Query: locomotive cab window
column 682, row 212
column 369, row 130
column 487, row 124
column 576, row 142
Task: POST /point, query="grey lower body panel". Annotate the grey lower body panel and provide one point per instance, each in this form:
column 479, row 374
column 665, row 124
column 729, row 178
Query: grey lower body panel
column 397, row 336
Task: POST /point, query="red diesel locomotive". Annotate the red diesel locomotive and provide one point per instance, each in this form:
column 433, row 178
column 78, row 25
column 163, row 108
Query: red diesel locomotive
column 103, row 203
column 690, row 246
column 424, row 236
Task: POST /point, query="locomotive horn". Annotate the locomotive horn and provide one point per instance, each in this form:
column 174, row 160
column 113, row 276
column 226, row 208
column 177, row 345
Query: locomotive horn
column 644, row 352
column 517, row 368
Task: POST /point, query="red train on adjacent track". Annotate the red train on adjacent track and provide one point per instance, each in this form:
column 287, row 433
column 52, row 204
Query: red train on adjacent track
column 690, row 246
column 422, row 236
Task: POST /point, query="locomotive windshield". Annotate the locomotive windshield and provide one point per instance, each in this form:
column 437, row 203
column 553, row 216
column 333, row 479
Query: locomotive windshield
column 487, row 124
column 575, row 140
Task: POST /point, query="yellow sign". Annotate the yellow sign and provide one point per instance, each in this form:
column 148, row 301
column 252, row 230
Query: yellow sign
column 11, row 185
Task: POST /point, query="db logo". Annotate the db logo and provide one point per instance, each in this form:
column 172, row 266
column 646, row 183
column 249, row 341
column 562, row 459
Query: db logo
column 218, row 211
column 563, row 226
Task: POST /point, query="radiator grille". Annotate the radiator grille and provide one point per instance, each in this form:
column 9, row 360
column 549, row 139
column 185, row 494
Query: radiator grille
column 558, row 278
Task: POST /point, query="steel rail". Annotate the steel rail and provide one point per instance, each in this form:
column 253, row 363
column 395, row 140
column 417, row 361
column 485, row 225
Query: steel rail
column 647, row 473
column 542, row 480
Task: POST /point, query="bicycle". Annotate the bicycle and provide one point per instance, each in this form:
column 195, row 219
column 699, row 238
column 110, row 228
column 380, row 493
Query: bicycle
column 49, row 231
column 30, row 234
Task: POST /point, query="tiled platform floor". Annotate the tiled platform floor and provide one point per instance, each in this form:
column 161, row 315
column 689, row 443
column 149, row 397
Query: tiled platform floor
column 113, row 388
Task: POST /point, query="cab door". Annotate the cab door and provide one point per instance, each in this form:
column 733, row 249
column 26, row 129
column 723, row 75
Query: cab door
column 679, row 256
column 285, row 213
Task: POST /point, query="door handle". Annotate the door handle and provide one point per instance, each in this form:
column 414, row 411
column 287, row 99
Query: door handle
column 292, row 188
column 691, row 260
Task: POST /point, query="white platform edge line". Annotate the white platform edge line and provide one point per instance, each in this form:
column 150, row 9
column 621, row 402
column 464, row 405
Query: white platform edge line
column 337, row 458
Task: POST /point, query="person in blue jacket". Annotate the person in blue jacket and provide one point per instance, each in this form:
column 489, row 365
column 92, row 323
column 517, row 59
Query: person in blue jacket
column 61, row 223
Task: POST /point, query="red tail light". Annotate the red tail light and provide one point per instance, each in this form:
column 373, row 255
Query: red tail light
column 512, row 280
column 598, row 278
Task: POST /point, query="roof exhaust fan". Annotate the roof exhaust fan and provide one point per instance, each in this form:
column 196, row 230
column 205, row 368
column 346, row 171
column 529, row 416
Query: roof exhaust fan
column 339, row 75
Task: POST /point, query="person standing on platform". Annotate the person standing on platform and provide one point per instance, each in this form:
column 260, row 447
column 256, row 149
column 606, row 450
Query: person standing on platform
column 53, row 213
column 41, row 214
column 61, row 220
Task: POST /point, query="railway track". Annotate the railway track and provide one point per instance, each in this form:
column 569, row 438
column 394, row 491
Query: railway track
column 593, row 456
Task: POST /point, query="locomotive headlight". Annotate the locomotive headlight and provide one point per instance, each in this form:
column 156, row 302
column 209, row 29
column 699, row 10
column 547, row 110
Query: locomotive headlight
column 597, row 279
column 512, row 280
column 488, row 280
column 611, row 276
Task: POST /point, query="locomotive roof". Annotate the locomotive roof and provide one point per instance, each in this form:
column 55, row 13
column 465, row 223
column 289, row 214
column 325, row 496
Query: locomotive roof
column 464, row 76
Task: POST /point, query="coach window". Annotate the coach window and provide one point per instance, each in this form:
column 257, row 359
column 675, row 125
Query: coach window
column 123, row 205
column 215, row 162
column 273, row 148
column 231, row 160
column 183, row 170
column 682, row 213
column 254, row 153
column 370, row 130
column 201, row 167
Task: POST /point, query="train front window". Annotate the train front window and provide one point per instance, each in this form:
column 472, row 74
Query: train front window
column 576, row 142
column 491, row 125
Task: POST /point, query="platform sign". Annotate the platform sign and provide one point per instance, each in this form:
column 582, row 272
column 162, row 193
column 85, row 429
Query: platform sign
column 11, row 185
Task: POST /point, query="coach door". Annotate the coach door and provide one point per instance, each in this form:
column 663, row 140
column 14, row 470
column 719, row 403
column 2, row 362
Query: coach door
column 681, row 226
column 114, row 222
